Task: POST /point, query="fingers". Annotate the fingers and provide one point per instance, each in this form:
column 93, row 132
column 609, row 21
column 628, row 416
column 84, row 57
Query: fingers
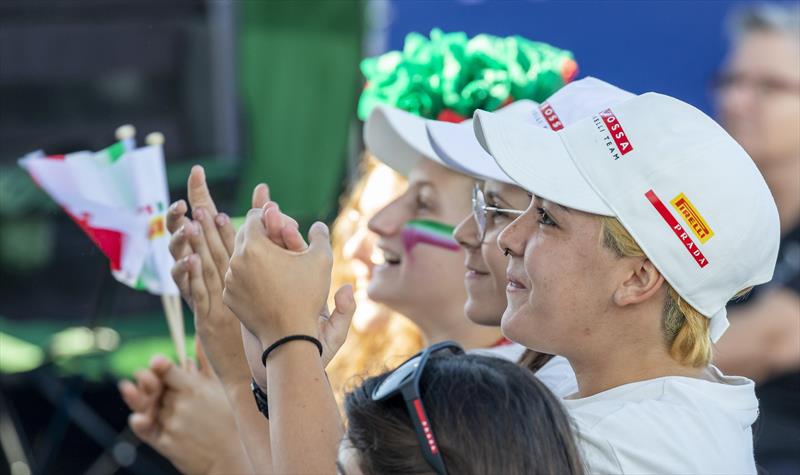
column 180, row 276
column 176, row 214
column 133, row 397
column 143, row 426
column 226, row 231
column 253, row 228
column 177, row 378
column 319, row 239
column 198, row 286
column 199, row 196
column 273, row 224
column 148, row 383
column 293, row 239
column 260, row 195
column 159, row 365
column 215, row 249
column 345, row 304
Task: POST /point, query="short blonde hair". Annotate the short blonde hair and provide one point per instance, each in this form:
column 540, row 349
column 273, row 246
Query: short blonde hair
column 686, row 331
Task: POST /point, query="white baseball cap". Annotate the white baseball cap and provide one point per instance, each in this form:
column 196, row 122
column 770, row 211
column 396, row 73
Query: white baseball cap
column 688, row 194
column 455, row 144
column 399, row 139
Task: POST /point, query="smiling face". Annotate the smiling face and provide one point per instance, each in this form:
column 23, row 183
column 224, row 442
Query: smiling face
column 485, row 278
column 427, row 277
column 561, row 278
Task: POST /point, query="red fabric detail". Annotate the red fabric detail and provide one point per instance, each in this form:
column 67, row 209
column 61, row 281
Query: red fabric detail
column 449, row 115
column 56, row 157
column 569, row 71
column 108, row 240
column 501, row 342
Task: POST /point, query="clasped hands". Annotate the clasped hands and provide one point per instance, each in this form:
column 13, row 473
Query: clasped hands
column 267, row 277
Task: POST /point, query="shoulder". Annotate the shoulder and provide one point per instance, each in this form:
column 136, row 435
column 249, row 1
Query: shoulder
column 668, row 425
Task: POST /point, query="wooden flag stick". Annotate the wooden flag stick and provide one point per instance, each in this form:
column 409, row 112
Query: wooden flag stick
column 171, row 303
column 174, row 313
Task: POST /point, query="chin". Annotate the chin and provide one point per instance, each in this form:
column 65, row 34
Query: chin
column 514, row 327
column 482, row 316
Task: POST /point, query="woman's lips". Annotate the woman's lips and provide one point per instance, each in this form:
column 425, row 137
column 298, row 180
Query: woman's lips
column 514, row 284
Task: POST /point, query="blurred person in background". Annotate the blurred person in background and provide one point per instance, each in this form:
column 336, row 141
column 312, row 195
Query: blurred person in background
column 758, row 98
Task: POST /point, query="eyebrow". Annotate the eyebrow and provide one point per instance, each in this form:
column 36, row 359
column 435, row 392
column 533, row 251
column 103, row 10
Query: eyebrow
column 496, row 197
column 563, row 208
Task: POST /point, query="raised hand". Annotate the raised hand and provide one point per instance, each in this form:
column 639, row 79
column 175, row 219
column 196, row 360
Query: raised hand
column 165, row 404
column 276, row 292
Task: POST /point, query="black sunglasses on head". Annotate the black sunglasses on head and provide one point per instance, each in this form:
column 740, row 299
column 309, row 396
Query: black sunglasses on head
column 405, row 380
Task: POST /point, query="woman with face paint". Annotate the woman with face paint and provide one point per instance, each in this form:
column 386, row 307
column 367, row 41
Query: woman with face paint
column 497, row 201
column 647, row 219
column 421, row 275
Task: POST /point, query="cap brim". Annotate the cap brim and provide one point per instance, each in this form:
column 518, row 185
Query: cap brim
column 398, row 138
column 455, row 144
column 538, row 161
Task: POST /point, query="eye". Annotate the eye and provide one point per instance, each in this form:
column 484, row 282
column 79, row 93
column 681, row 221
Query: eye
column 544, row 218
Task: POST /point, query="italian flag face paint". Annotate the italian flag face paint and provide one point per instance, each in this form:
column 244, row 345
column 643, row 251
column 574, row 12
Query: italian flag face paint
column 424, row 231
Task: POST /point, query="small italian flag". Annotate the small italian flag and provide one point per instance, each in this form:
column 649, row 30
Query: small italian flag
column 119, row 197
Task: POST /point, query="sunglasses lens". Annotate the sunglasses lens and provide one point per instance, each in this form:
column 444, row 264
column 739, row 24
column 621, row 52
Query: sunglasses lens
column 394, row 381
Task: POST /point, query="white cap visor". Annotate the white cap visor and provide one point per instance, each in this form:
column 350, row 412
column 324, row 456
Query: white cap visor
column 537, row 159
column 398, row 138
column 451, row 141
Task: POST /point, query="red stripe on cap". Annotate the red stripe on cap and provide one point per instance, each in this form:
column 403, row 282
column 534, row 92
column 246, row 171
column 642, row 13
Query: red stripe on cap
column 426, row 427
column 617, row 133
column 550, row 116
column 690, row 246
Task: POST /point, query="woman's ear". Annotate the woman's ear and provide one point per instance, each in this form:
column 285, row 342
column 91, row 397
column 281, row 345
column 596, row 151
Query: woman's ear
column 643, row 282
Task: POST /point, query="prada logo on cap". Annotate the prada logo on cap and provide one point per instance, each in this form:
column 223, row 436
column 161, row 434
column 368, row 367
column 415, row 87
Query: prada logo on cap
column 692, row 217
column 676, row 227
column 616, row 139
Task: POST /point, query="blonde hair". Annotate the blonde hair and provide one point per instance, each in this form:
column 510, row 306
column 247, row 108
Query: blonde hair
column 686, row 331
column 392, row 338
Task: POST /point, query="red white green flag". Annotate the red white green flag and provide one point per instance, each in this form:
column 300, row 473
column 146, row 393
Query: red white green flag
column 118, row 196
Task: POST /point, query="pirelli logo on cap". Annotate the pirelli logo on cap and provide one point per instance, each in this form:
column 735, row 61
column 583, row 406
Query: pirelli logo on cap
column 692, row 217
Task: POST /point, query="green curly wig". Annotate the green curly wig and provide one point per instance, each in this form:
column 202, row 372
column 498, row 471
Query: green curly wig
column 449, row 76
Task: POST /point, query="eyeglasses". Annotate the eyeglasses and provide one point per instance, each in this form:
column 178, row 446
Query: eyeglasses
column 481, row 211
column 405, row 381
column 763, row 87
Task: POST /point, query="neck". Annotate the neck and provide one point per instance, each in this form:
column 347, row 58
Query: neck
column 781, row 176
column 450, row 323
column 470, row 336
column 631, row 349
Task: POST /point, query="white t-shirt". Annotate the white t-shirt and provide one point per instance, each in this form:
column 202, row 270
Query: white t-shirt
column 556, row 374
column 669, row 425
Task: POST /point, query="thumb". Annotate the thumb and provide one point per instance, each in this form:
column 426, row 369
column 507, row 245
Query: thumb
column 177, row 378
column 319, row 239
column 197, row 189
column 260, row 195
column 345, row 307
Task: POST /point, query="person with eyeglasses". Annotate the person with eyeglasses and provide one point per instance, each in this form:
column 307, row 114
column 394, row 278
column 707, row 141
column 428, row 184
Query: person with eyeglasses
column 758, row 101
column 497, row 201
column 647, row 219
column 404, row 421
column 421, row 275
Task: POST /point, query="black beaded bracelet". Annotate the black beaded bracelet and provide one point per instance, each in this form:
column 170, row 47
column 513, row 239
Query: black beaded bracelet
column 287, row 339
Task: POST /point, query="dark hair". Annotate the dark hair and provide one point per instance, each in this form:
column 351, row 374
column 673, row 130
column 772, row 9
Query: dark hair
column 488, row 414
